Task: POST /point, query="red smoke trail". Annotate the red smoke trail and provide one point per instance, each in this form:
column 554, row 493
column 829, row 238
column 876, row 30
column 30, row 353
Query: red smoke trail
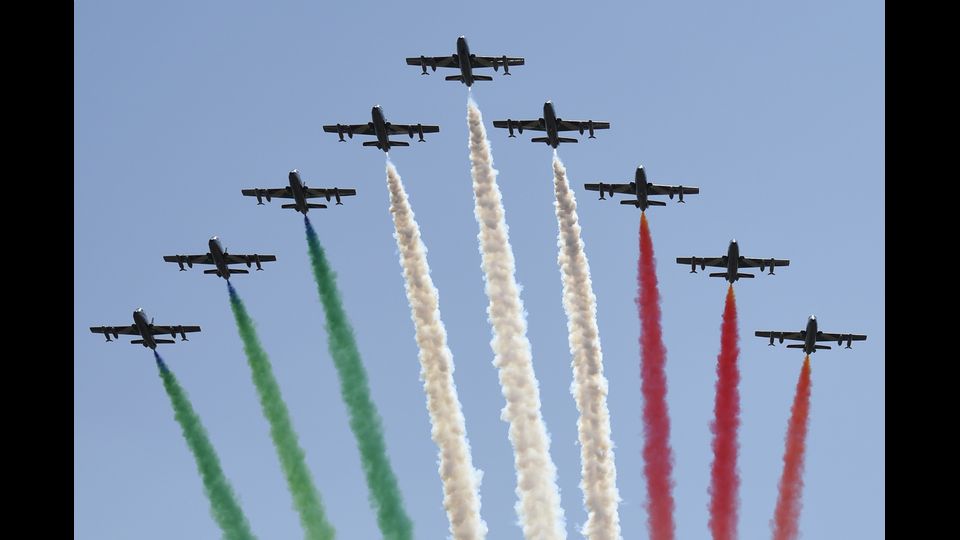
column 657, row 456
column 724, row 480
column 787, row 514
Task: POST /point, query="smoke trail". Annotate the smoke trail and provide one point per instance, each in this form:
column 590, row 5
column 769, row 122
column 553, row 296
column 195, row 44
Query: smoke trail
column 223, row 502
column 538, row 507
column 657, row 455
column 598, row 471
column 306, row 499
column 724, row 478
column 364, row 419
column 787, row 515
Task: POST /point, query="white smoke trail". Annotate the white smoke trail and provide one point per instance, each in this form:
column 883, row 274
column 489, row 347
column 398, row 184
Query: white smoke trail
column 461, row 481
column 539, row 497
column 589, row 389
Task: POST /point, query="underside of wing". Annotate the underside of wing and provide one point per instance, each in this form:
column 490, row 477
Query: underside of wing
column 406, row 129
column 312, row 193
column 533, row 125
column 273, row 193
column 355, row 129
column 192, row 259
column 701, row 261
column 247, row 259
column 434, row 61
column 749, row 262
column 661, row 189
column 581, row 125
column 490, row 61
column 829, row 336
column 118, row 330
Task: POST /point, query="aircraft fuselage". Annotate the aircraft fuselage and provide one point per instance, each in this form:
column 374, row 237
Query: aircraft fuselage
column 640, row 187
column 550, row 123
column 463, row 58
column 296, row 188
column 143, row 325
column 380, row 128
column 810, row 337
column 733, row 261
column 216, row 251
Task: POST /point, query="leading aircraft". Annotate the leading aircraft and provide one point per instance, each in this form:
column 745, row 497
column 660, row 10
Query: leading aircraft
column 642, row 189
column 382, row 129
column 146, row 330
column 810, row 336
column 552, row 125
column 466, row 63
column 219, row 257
column 299, row 192
column 732, row 261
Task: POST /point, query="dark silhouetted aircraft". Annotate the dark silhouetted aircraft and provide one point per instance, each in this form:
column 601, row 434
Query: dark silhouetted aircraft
column 466, row 63
column 810, row 337
column 299, row 192
column 221, row 259
column 382, row 129
column 145, row 330
column 732, row 261
column 643, row 190
column 552, row 125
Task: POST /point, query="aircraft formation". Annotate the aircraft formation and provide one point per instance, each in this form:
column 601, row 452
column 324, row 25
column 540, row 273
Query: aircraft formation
column 382, row 130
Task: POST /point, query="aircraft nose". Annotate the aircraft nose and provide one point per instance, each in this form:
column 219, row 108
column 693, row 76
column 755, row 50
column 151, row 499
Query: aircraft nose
column 734, row 241
column 813, row 317
column 294, row 171
column 214, row 238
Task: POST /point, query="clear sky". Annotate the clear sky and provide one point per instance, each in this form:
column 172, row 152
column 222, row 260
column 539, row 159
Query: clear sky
column 775, row 110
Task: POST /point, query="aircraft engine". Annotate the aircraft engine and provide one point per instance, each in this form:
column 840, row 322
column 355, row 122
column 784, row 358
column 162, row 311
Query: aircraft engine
column 340, row 132
column 510, row 128
column 693, row 265
column 256, row 259
column 420, row 132
column 600, row 189
column 506, row 65
column 423, row 65
column 680, row 197
column 589, row 129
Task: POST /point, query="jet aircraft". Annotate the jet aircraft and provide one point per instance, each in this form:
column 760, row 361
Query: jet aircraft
column 381, row 129
column 299, row 192
column 552, row 125
column 810, row 336
column 219, row 257
column 466, row 62
column 642, row 190
column 146, row 330
column 732, row 261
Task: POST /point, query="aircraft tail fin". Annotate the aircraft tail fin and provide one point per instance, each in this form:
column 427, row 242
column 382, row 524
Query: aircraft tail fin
column 719, row 274
column 454, row 78
column 567, row 139
column 316, row 205
column 797, row 346
column 744, row 275
column 482, row 78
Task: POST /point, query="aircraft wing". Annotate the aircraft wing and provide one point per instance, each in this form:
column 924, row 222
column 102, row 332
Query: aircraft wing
column 608, row 188
column 407, row 129
column 435, row 61
column 490, row 61
column 658, row 189
column 193, row 259
column 747, row 262
column 173, row 330
column 118, row 330
column 827, row 336
column 534, row 125
column 230, row 258
column 719, row 262
column 796, row 336
column 581, row 126
column 311, row 193
column 355, row 129
column 277, row 193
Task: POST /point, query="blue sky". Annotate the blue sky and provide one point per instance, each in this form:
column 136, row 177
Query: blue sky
column 776, row 111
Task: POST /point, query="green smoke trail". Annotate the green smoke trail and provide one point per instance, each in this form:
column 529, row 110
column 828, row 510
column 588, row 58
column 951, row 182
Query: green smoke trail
column 223, row 502
column 306, row 498
column 364, row 420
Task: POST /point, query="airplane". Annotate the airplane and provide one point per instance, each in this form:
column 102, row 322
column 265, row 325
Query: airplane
column 299, row 192
column 145, row 330
column 381, row 129
column 466, row 62
column 733, row 261
column 810, row 337
column 642, row 189
column 551, row 124
column 219, row 257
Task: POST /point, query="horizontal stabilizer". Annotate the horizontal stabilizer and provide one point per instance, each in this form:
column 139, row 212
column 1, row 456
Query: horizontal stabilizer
column 822, row 346
column 633, row 202
column 719, row 274
column 294, row 206
column 238, row 271
column 453, row 78
column 651, row 202
column 164, row 340
column 796, row 346
column 399, row 143
column 372, row 143
column 482, row 78
column 214, row 271
column 137, row 342
column 316, row 205
column 744, row 275
column 540, row 139
column 567, row 139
